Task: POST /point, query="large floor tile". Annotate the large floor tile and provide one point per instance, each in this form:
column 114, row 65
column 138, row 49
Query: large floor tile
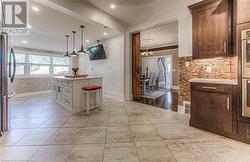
column 78, row 121
column 88, row 153
column 38, row 137
column 53, row 153
column 19, row 153
column 92, row 135
column 13, row 136
column 120, row 152
column 119, row 134
column 154, row 151
column 144, row 132
column 54, row 122
column 65, row 136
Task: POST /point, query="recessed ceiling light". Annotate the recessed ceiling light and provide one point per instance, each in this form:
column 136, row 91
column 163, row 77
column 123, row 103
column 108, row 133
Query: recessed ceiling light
column 24, row 42
column 105, row 33
column 35, row 8
column 87, row 40
column 112, row 6
column 29, row 26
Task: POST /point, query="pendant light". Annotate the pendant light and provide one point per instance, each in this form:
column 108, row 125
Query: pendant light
column 74, row 54
column 67, row 45
column 82, row 51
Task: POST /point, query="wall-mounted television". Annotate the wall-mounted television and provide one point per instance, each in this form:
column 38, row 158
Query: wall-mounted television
column 96, row 52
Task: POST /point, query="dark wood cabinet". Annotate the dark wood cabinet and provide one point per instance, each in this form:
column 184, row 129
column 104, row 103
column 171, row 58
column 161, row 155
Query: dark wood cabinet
column 212, row 28
column 212, row 107
column 243, row 11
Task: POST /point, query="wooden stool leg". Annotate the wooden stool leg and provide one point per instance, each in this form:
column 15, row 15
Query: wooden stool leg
column 88, row 103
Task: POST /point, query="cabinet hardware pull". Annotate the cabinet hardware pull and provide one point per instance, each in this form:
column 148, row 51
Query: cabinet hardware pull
column 214, row 88
column 225, row 47
column 228, row 103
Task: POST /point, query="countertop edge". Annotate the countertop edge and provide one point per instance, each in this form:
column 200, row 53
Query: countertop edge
column 214, row 81
column 82, row 78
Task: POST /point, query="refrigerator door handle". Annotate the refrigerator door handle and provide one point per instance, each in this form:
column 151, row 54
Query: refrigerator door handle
column 12, row 77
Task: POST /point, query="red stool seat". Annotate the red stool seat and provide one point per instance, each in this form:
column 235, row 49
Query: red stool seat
column 91, row 88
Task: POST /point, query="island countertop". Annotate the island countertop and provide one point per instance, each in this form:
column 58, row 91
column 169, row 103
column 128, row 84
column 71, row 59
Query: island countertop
column 79, row 78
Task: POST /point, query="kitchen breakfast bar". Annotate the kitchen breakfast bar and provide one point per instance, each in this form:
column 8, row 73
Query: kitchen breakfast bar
column 68, row 91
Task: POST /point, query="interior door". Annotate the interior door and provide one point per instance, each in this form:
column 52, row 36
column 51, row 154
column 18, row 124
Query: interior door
column 136, row 64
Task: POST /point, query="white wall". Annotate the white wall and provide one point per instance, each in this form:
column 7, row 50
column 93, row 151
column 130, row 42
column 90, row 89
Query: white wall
column 185, row 36
column 111, row 69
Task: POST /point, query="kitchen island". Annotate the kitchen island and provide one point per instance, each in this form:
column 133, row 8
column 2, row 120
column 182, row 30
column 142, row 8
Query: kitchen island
column 67, row 91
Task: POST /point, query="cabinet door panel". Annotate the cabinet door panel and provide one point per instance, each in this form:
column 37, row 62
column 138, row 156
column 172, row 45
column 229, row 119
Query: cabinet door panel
column 200, row 109
column 211, row 29
column 228, row 114
column 212, row 111
column 243, row 11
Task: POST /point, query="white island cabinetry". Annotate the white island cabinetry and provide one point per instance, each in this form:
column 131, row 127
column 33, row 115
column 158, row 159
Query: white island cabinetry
column 67, row 91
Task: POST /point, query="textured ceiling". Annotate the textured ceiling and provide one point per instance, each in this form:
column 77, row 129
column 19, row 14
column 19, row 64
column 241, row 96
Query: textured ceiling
column 164, row 35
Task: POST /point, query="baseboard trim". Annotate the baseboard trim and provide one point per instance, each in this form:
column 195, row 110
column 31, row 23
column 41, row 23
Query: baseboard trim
column 33, row 93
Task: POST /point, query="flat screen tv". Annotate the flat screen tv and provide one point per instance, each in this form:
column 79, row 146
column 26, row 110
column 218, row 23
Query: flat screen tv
column 96, row 52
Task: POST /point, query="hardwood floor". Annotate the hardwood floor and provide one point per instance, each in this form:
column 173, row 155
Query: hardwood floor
column 168, row 101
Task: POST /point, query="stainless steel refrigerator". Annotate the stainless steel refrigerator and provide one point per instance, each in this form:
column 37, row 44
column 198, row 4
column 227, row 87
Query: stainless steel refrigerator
column 7, row 75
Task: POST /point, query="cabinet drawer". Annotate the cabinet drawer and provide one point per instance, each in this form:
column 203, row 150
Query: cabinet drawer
column 217, row 88
column 67, row 101
column 67, row 83
column 67, row 92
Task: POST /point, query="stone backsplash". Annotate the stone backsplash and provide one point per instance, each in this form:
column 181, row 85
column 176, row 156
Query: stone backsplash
column 28, row 85
column 221, row 68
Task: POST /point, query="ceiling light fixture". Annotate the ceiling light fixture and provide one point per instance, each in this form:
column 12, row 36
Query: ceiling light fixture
column 35, row 8
column 73, row 54
column 105, row 30
column 67, row 46
column 24, row 42
column 112, row 6
column 147, row 52
column 29, row 26
column 87, row 41
column 82, row 51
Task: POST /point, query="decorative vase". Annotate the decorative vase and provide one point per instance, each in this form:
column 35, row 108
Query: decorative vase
column 75, row 71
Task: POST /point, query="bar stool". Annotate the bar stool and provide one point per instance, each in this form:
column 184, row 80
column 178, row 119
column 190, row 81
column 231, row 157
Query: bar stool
column 97, row 90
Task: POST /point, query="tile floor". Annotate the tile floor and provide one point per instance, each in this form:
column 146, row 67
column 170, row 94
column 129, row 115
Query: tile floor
column 122, row 132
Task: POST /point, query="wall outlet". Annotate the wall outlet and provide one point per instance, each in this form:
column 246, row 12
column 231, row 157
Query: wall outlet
column 209, row 69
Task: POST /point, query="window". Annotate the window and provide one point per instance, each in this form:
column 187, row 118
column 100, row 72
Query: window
column 34, row 59
column 60, row 61
column 39, row 69
column 20, row 64
column 61, row 70
column 41, row 65
column 61, row 65
column 20, row 69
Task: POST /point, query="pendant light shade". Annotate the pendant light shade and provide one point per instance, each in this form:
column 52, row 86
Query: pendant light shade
column 67, row 46
column 82, row 51
column 74, row 54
